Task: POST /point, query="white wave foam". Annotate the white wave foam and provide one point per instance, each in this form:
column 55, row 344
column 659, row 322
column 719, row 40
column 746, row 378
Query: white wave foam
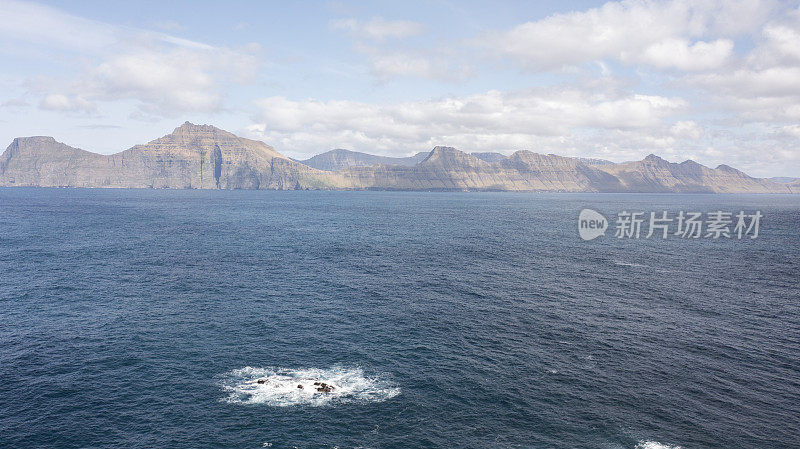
column 654, row 445
column 629, row 264
column 279, row 386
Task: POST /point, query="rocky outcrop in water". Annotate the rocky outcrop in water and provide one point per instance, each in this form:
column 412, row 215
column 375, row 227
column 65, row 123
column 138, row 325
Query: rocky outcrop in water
column 205, row 157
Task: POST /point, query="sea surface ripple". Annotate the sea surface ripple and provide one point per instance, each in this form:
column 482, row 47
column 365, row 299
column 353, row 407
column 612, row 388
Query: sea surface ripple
column 146, row 318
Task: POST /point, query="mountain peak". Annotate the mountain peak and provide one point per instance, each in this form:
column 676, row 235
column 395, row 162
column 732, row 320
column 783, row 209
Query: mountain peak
column 340, row 159
column 44, row 148
column 731, row 170
column 439, row 152
column 653, row 158
column 35, row 139
column 490, row 157
column 190, row 128
column 449, row 156
column 203, row 156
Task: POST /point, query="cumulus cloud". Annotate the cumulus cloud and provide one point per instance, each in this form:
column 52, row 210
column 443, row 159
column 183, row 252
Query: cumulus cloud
column 753, row 83
column 378, row 28
column 790, row 131
column 166, row 74
column 61, row 102
column 399, row 64
column 763, row 86
column 486, row 121
column 661, row 34
column 170, row 80
column 389, row 60
column 687, row 129
column 43, row 25
column 433, row 64
column 681, row 54
column 706, row 79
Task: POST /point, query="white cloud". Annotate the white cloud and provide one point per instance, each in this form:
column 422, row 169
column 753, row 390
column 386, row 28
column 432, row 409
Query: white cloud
column 43, row 25
column 680, row 54
column 742, row 60
column 394, row 60
column 169, row 80
column 762, row 86
column 753, row 83
column 687, row 129
column 64, row 103
column 378, row 28
column 399, row 64
column 433, row 64
column 780, row 46
column 491, row 120
column 662, row 34
column 790, row 131
column 166, row 74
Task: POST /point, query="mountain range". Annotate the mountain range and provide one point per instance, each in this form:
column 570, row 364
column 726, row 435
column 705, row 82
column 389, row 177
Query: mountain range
column 206, row 157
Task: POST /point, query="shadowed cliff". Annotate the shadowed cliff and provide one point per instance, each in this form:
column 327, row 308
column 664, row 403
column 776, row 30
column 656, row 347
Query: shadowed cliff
column 206, row 157
column 192, row 156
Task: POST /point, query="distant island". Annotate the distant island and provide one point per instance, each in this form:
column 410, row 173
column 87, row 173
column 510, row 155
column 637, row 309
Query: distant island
column 206, row 157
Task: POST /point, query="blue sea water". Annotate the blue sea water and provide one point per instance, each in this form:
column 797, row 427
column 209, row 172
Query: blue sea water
column 144, row 318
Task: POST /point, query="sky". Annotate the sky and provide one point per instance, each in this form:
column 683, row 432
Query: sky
column 716, row 82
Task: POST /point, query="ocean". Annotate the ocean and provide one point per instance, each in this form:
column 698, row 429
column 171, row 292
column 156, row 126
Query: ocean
column 187, row 319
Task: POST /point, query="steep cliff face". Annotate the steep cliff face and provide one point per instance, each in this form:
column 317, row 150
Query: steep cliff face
column 339, row 159
column 490, row 157
column 449, row 169
column 783, row 179
column 202, row 156
column 557, row 173
column 193, row 156
column 41, row 161
column 726, row 179
column 446, row 168
column 654, row 174
column 594, row 161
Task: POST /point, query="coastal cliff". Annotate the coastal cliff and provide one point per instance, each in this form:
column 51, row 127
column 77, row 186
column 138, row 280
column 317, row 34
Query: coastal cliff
column 192, row 156
column 206, row 157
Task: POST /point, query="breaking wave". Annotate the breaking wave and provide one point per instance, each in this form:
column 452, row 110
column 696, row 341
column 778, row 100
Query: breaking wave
column 654, row 445
column 283, row 387
column 629, row 264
